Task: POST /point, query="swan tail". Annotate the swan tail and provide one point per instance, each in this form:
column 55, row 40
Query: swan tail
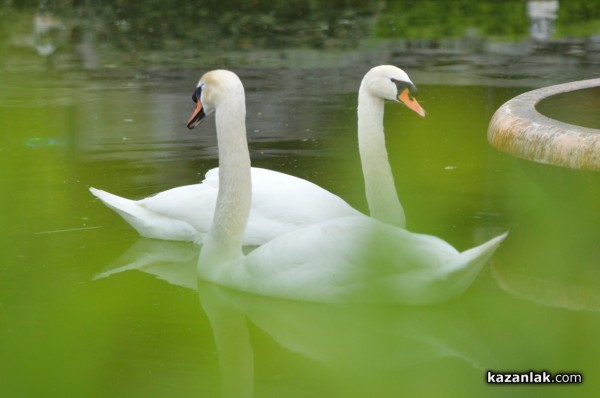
column 476, row 255
column 460, row 272
column 449, row 280
column 113, row 201
column 127, row 208
column 146, row 222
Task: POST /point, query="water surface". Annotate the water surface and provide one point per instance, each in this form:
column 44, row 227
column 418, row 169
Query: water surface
column 579, row 107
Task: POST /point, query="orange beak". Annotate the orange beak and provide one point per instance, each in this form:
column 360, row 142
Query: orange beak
column 411, row 102
column 197, row 116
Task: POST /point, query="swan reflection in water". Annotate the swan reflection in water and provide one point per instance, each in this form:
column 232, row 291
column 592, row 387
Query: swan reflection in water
column 359, row 341
column 553, row 257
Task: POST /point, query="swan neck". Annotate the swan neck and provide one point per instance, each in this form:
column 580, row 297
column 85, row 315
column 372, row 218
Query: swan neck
column 224, row 241
column 380, row 188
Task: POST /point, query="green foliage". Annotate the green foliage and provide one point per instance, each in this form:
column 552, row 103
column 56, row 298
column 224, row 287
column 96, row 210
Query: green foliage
column 239, row 24
column 577, row 18
column 13, row 22
column 150, row 24
column 430, row 19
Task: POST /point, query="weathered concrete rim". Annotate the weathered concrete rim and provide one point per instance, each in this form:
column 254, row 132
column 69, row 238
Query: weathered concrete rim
column 517, row 128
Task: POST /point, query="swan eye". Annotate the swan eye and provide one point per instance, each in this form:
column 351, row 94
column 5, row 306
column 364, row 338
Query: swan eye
column 402, row 85
column 196, row 95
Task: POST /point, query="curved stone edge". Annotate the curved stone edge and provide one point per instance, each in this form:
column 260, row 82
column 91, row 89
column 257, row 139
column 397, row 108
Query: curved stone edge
column 517, row 128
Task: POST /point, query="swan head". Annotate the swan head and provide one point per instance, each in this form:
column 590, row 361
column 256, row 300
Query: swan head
column 392, row 83
column 211, row 90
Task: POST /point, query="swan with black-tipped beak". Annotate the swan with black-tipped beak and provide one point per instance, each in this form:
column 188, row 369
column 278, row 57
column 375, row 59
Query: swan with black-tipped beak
column 353, row 258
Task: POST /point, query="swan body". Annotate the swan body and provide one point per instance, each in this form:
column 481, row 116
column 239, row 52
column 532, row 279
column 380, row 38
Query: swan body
column 354, row 258
column 280, row 202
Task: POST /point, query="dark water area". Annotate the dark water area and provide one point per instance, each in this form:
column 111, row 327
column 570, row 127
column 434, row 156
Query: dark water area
column 579, row 107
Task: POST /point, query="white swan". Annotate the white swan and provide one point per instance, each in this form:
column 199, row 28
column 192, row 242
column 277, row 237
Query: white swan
column 281, row 202
column 354, row 258
column 375, row 88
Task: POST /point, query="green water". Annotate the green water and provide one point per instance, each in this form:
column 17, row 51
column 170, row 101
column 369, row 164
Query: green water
column 579, row 107
column 76, row 322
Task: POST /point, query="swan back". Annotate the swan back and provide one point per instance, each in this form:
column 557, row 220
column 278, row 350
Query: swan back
column 356, row 259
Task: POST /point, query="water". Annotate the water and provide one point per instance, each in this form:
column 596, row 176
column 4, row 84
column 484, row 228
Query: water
column 579, row 107
column 74, row 322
